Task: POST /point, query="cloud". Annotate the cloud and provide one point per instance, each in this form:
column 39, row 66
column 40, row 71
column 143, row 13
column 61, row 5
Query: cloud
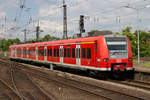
column 50, row 11
column 2, row 15
column 50, row 14
column 51, row 26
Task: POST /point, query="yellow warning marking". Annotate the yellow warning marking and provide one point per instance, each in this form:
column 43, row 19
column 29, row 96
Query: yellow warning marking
column 87, row 42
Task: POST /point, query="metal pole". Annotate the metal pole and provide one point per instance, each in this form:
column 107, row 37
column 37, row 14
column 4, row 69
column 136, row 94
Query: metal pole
column 64, row 20
column 25, row 32
column 138, row 34
column 37, row 32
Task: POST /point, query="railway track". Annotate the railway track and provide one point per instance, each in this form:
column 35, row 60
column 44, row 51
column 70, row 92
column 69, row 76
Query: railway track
column 135, row 83
column 27, row 88
column 8, row 93
column 92, row 89
column 23, row 86
column 83, row 86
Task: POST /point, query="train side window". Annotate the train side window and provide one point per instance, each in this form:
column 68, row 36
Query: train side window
column 88, row 53
column 38, row 52
column 33, row 52
column 29, row 51
column 50, row 52
column 83, row 52
column 73, row 52
column 42, row 52
column 68, row 52
column 26, row 51
column 65, row 52
column 57, row 52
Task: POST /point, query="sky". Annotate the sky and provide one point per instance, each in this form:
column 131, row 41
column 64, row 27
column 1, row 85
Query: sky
column 17, row 15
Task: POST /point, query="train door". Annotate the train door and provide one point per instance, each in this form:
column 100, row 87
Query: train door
column 61, row 54
column 15, row 52
column 36, row 50
column 11, row 52
column 45, row 53
column 22, row 52
column 27, row 49
column 78, row 59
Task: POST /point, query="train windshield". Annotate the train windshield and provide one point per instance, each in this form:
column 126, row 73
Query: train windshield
column 117, row 47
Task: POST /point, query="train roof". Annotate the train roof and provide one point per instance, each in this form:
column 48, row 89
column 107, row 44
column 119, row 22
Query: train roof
column 88, row 39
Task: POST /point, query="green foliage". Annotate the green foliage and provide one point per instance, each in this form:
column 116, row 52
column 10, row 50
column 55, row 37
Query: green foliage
column 49, row 38
column 144, row 44
column 46, row 38
column 94, row 31
column 4, row 44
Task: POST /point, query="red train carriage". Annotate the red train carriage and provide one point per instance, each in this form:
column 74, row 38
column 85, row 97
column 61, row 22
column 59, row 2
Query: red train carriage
column 97, row 54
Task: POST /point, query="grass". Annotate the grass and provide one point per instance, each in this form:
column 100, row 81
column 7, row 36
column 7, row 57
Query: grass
column 146, row 64
column 2, row 56
column 142, row 63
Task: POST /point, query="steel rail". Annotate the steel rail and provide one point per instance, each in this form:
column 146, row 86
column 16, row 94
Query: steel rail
column 10, row 88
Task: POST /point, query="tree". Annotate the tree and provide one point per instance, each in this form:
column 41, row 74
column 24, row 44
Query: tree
column 4, row 44
column 144, row 37
column 46, row 38
column 49, row 38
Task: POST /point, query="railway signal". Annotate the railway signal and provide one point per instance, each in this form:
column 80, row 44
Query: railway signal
column 81, row 25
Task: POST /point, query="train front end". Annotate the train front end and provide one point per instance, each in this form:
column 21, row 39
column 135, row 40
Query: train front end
column 120, row 56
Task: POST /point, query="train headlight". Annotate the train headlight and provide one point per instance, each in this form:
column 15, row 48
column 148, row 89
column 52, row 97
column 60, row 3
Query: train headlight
column 105, row 59
column 130, row 59
column 98, row 60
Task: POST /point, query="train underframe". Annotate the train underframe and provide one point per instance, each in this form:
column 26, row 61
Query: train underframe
column 118, row 73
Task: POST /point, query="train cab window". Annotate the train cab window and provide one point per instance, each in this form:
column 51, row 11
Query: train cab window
column 68, row 52
column 73, row 52
column 88, row 53
column 83, row 52
column 65, row 52
column 57, row 52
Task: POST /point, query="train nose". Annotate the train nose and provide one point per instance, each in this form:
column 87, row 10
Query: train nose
column 118, row 68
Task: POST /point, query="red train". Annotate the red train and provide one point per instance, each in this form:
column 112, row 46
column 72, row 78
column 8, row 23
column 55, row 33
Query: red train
column 103, row 55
